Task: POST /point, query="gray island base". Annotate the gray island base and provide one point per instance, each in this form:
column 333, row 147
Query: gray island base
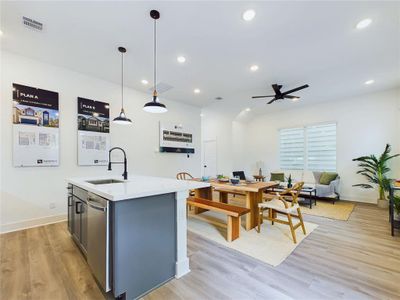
column 132, row 233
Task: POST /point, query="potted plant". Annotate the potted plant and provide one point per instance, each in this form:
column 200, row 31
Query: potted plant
column 289, row 181
column 375, row 170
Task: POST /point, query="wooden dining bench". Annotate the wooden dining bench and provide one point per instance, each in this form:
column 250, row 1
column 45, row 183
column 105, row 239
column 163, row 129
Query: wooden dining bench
column 233, row 213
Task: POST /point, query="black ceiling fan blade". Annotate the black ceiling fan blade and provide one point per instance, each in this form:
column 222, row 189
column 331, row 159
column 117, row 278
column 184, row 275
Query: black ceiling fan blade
column 291, row 97
column 296, row 89
column 256, row 97
column 273, row 100
column 277, row 88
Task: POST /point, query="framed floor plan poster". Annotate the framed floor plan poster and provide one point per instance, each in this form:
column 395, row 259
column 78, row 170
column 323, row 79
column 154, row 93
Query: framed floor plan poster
column 93, row 132
column 35, row 127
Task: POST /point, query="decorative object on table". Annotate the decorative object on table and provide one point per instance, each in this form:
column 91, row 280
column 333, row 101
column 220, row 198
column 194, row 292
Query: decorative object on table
column 35, row 127
column 93, row 132
column 289, row 181
column 205, row 178
column 176, row 138
column 397, row 183
column 223, row 178
column 375, row 170
column 260, row 165
column 235, row 180
column 259, row 178
column 155, row 106
column 277, row 177
column 122, row 119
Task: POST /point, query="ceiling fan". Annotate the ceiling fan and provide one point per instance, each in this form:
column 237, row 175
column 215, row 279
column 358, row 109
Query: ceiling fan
column 282, row 95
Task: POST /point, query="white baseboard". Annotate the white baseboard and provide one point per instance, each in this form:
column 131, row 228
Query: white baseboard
column 32, row 223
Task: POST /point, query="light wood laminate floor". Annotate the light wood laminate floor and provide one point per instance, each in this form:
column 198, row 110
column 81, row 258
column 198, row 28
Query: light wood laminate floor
column 355, row 259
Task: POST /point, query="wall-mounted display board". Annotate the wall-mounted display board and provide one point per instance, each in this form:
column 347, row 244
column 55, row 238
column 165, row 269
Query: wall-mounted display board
column 35, row 127
column 93, row 132
column 176, row 138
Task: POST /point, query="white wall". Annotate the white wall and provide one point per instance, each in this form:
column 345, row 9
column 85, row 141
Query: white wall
column 364, row 125
column 27, row 192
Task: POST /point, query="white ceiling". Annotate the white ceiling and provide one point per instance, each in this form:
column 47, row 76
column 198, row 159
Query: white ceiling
column 292, row 42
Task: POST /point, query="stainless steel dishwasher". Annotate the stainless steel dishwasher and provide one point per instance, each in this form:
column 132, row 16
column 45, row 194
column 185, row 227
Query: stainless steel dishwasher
column 98, row 246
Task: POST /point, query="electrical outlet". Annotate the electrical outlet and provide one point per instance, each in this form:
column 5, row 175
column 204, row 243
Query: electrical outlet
column 52, row 205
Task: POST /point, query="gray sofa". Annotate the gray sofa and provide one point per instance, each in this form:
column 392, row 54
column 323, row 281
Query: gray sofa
column 311, row 179
column 326, row 191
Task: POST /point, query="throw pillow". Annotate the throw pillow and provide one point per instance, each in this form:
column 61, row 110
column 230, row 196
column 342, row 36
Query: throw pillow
column 317, row 176
column 327, row 177
column 277, row 177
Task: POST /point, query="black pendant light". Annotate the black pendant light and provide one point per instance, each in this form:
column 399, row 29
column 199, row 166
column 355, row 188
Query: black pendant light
column 122, row 119
column 155, row 106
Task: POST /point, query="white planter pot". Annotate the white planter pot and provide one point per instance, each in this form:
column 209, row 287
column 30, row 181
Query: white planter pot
column 383, row 203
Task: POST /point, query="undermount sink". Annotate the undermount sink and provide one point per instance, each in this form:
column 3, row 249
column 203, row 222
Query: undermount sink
column 104, row 181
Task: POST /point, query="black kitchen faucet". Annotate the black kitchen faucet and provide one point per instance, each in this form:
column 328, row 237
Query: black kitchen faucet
column 125, row 162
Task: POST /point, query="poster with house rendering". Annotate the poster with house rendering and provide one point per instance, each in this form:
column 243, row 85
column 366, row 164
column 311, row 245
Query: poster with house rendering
column 35, row 127
column 93, row 132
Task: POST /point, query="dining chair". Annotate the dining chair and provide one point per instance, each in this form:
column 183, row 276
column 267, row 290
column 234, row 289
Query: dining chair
column 185, row 176
column 280, row 205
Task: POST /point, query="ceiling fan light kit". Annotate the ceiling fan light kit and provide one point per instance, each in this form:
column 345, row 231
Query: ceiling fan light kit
column 282, row 95
column 155, row 106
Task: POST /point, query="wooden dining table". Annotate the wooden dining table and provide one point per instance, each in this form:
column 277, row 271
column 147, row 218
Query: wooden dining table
column 253, row 193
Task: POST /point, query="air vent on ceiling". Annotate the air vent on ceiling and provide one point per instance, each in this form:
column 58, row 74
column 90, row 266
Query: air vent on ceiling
column 161, row 87
column 218, row 98
column 33, row 24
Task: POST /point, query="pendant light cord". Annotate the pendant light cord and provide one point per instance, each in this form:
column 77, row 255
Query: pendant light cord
column 155, row 55
column 122, row 79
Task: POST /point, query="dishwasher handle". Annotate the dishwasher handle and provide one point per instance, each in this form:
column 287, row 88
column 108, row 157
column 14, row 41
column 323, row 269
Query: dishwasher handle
column 90, row 203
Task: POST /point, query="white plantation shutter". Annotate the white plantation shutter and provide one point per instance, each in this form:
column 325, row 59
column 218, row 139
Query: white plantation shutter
column 291, row 148
column 308, row 148
column 321, row 147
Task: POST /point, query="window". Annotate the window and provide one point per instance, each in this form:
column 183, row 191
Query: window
column 292, row 148
column 308, row 148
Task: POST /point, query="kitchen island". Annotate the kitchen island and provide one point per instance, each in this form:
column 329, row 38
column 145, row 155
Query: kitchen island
column 132, row 232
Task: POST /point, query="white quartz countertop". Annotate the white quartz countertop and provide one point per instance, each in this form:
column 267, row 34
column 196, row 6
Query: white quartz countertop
column 135, row 187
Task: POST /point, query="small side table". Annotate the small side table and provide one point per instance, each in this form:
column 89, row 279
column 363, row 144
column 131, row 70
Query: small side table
column 259, row 177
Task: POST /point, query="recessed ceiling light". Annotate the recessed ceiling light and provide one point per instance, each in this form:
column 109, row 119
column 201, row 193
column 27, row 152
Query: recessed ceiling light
column 296, row 99
column 249, row 15
column 248, row 109
column 363, row 23
column 201, row 115
column 1, row 32
column 371, row 81
column 144, row 81
column 196, row 91
column 254, row 68
column 181, row 59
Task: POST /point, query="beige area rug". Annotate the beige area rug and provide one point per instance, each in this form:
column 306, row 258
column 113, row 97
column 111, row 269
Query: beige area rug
column 341, row 210
column 272, row 245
